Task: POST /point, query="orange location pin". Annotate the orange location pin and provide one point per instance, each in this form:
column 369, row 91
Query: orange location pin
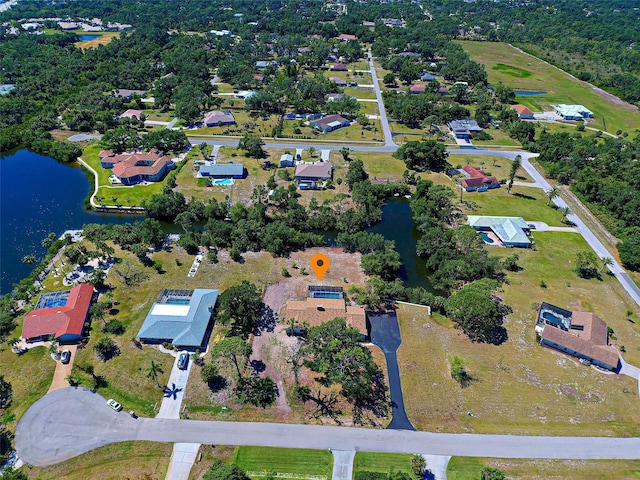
column 320, row 264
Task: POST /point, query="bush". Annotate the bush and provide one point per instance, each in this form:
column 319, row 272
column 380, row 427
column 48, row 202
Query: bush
column 114, row 326
column 366, row 475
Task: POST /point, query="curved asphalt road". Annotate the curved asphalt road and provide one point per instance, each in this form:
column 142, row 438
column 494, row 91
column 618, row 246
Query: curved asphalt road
column 72, row 421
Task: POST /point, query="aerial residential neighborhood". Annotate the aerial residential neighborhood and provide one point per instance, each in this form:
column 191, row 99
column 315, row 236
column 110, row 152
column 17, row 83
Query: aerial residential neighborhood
column 346, row 240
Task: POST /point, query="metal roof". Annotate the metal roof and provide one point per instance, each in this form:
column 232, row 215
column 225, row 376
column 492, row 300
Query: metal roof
column 230, row 169
column 183, row 330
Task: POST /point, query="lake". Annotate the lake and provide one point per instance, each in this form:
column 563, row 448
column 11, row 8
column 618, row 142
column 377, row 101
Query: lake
column 88, row 36
column 39, row 195
column 529, row 93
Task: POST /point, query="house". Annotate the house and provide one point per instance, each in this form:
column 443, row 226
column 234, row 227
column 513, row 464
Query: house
column 322, row 305
column 287, row 160
column 217, row 118
column 132, row 113
column 427, row 77
column 340, row 82
column 511, row 231
column 132, row 168
column 523, row 112
column 332, row 97
column 128, row 94
column 308, row 176
column 409, row 55
column 418, row 88
column 262, row 64
column 580, row 334
column 180, row 317
column 572, row 112
column 259, row 77
column 5, row 88
column 344, row 37
column 329, row 123
column 475, row 178
column 464, row 128
column 338, row 67
column 220, row 33
column 223, row 170
column 59, row 314
column 244, row 94
column 443, row 90
column 68, row 25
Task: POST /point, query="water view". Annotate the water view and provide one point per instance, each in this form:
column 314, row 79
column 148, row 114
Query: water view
column 39, row 195
column 88, row 36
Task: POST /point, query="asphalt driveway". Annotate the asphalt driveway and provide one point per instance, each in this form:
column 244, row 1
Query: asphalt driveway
column 385, row 333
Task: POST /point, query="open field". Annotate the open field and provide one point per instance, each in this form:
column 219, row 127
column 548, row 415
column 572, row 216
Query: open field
column 244, row 124
column 468, row 468
column 526, row 202
column 294, row 463
column 499, row 167
column 112, row 462
column 520, row 387
column 382, row 462
column 500, row 137
column 352, row 133
column 520, row 71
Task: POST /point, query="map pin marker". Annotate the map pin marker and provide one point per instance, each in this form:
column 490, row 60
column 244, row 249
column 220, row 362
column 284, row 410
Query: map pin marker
column 320, row 264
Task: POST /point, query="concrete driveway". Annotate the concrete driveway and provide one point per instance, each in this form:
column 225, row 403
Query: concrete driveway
column 174, row 391
column 72, row 421
column 63, row 371
column 385, row 333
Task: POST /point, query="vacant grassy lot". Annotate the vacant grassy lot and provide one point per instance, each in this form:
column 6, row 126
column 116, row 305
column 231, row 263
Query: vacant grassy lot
column 112, row 462
column 245, row 123
column 520, row 71
column 520, row 387
column 30, row 376
column 526, row 202
column 468, row 468
column 382, row 462
column 499, row 167
column 289, row 463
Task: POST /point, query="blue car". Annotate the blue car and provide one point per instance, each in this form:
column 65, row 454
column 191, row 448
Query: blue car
column 183, row 360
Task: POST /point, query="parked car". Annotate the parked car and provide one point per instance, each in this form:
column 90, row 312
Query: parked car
column 183, row 360
column 113, row 404
column 65, row 356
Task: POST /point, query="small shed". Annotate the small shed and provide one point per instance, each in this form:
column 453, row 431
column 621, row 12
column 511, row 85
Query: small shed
column 287, row 160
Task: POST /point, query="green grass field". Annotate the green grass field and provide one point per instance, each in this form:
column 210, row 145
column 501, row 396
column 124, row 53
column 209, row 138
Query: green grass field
column 521, row 71
column 288, row 463
column 382, row 462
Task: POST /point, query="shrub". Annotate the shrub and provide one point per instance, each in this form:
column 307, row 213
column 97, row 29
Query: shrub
column 114, row 326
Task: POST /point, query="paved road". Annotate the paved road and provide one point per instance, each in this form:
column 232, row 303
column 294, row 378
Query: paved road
column 388, row 137
column 72, row 421
column 385, row 333
column 343, row 464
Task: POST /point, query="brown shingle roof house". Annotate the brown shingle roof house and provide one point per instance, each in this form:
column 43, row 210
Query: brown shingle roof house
column 316, row 311
column 581, row 334
column 62, row 315
column 523, row 112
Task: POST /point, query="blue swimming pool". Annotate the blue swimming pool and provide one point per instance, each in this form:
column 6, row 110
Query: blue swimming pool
column 88, row 36
column 529, row 93
column 177, row 301
column 552, row 319
column 325, row 294
column 222, row 181
column 486, row 238
column 53, row 300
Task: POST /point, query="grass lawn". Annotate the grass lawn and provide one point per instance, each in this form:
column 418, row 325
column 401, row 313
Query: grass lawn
column 244, row 124
column 499, row 138
column 365, row 78
column 360, row 92
column 381, row 166
column 30, row 376
column 382, row 462
column 520, row 71
column 464, row 468
column 520, row 387
column 499, row 167
column 111, row 462
column 369, row 108
column 526, row 202
column 289, row 463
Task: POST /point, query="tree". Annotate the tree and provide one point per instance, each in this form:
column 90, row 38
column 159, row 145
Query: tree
column 105, row 348
column 153, row 371
column 566, row 211
column 252, row 145
column 629, row 251
column 418, row 465
column 121, row 138
column 587, row 264
column 260, row 392
column 459, row 371
column 355, row 173
column 345, row 151
column 606, row 262
column 29, row 259
column 426, row 155
column 6, row 393
column 209, row 374
column 232, row 348
column 166, row 140
column 475, row 310
column 504, row 93
column 551, row 194
column 220, row 471
column 389, row 79
column 241, row 305
column 515, row 166
column 490, row 473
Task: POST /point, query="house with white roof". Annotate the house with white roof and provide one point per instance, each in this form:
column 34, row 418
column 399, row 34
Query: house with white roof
column 510, row 231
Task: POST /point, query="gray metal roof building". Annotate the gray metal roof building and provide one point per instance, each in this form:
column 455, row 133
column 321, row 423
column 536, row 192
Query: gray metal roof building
column 231, row 170
column 181, row 317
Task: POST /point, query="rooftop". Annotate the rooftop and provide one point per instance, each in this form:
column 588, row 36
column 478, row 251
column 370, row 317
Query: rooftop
column 218, row 116
column 320, row 170
column 181, row 317
column 223, row 169
column 509, row 230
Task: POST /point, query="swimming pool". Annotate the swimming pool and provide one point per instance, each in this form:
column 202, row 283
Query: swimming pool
column 177, row 301
column 222, row 181
column 529, row 93
column 52, row 300
column 325, row 294
column 486, row 238
column 89, row 36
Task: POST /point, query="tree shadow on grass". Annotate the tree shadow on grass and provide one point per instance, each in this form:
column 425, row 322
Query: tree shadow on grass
column 526, row 197
column 266, row 321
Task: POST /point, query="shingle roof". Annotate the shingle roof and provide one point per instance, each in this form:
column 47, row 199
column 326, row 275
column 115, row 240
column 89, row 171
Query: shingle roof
column 58, row 321
column 182, row 330
column 131, row 113
column 320, row 170
column 218, row 116
column 131, row 165
column 316, row 311
column 522, row 110
column 601, row 353
column 326, row 121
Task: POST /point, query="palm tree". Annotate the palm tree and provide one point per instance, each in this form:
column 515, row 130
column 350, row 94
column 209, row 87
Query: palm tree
column 551, row 194
column 565, row 212
column 312, row 152
column 153, row 372
column 606, row 262
column 29, row 259
column 517, row 162
column 259, row 192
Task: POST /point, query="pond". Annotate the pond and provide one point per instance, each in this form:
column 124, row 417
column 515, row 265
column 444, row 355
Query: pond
column 88, row 36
